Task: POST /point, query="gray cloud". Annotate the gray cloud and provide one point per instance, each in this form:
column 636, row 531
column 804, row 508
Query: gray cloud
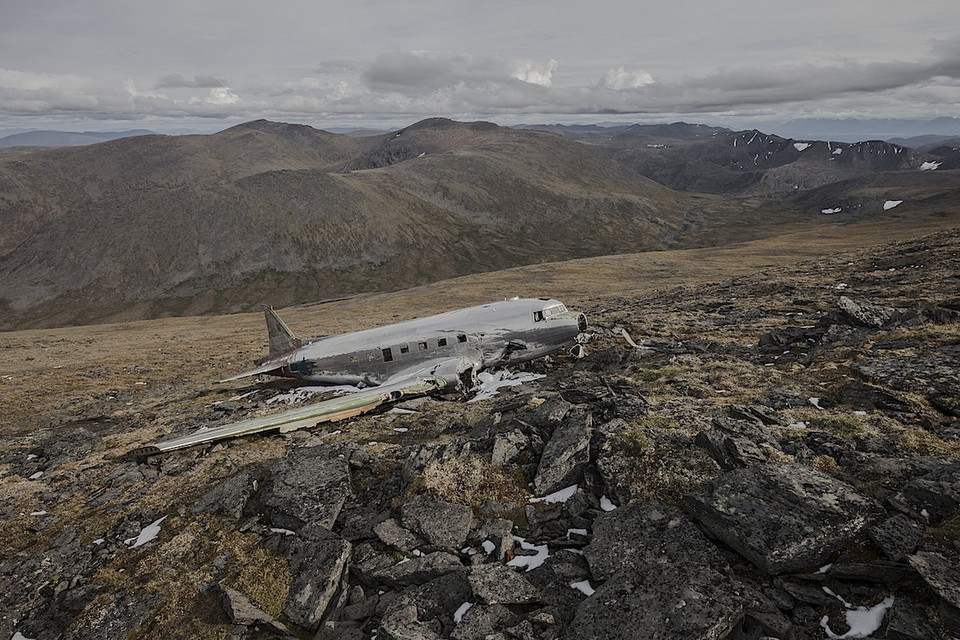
column 177, row 81
column 417, row 72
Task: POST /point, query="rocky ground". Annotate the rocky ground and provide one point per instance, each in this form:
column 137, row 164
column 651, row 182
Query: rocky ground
column 772, row 455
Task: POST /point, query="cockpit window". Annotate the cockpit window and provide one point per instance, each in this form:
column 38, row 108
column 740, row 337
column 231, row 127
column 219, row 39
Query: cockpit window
column 552, row 310
column 537, row 316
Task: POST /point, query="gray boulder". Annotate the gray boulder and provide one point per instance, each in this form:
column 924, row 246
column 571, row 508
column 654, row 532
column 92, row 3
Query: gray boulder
column 782, row 517
column 243, row 612
column 663, row 579
column 897, row 536
column 660, row 600
column 644, row 533
column 308, row 487
column 229, row 498
column 565, row 456
column 498, row 584
column 392, row 534
column 939, row 573
column 441, row 524
column 867, row 314
column 418, row 570
column 319, row 569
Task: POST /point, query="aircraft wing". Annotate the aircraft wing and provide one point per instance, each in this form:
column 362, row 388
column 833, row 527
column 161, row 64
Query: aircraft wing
column 439, row 376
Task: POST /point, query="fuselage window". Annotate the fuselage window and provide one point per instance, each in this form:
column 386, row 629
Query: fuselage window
column 422, row 346
column 405, row 349
column 461, row 338
column 387, row 355
column 442, row 342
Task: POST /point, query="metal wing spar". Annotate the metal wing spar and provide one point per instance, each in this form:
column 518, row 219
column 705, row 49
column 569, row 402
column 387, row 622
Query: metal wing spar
column 440, row 376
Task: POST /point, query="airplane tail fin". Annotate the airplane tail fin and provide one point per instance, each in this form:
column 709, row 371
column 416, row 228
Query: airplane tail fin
column 281, row 338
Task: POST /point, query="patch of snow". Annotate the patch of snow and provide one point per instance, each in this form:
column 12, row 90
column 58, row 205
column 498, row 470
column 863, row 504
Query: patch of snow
column 488, row 547
column 584, row 587
column 863, row 621
column 31, row 456
column 422, row 154
column 38, row 513
column 798, row 425
column 458, row 614
column 831, row 211
column 801, row 146
column 148, row 533
column 842, row 285
column 606, row 505
column 20, row 636
column 815, row 402
column 925, row 514
column 824, row 568
column 663, row 146
column 400, row 429
column 576, row 532
column 890, row 204
column 490, row 383
column 859, row 413
column 400, row 410
column 285, row 532
column 930, row 166
column 837, row 151
column 36, row 475
column 99, row 541
column 530, row 562
column 557, row 496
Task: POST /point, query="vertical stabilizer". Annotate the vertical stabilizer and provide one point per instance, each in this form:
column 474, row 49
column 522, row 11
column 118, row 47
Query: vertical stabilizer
column 281, row 338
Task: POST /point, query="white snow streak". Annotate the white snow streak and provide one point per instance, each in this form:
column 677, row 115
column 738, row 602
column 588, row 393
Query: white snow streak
column 558, row 496
column 890, row 204
column 930, row 166
column 583, row 586
column 148, row 533
column 801, row 146
column 458, row 614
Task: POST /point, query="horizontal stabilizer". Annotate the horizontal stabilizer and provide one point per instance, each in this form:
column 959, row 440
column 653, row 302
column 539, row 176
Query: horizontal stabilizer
column 264, row 368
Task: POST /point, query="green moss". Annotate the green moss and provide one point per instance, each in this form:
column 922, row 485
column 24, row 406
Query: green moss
column 946, row 533
column 652, row 375
column 845, row 427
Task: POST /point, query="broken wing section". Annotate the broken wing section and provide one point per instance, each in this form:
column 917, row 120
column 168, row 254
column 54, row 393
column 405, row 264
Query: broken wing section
column 327, row 411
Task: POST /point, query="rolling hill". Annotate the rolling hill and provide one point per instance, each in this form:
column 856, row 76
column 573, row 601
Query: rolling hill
column 275, row 213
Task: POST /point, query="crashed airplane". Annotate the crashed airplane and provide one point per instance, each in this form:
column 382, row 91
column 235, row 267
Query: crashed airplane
column 435, row 354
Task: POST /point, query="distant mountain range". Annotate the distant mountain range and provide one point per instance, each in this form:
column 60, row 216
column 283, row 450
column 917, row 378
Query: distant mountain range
column 65, row 138
column 857, row 130
column 275, row 213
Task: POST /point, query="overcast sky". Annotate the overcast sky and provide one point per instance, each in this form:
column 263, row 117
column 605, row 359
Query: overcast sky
column 207, row 64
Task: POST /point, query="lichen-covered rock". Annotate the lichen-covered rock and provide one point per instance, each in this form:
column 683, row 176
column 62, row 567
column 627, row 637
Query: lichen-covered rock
column 319, row 569
column 867, row 314
column 308, row 487
column 898, row 536
column 645, row 532
column 229, row 498
column 391, row 533
column 659, row 600
column 565, row 455
column 939, row 573
column 782, row 517
column 498, row 584
column 662, row 579
column 418, row 570
column 442, row 524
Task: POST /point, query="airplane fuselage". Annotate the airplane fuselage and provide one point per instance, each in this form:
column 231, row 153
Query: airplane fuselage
column 494, row 334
